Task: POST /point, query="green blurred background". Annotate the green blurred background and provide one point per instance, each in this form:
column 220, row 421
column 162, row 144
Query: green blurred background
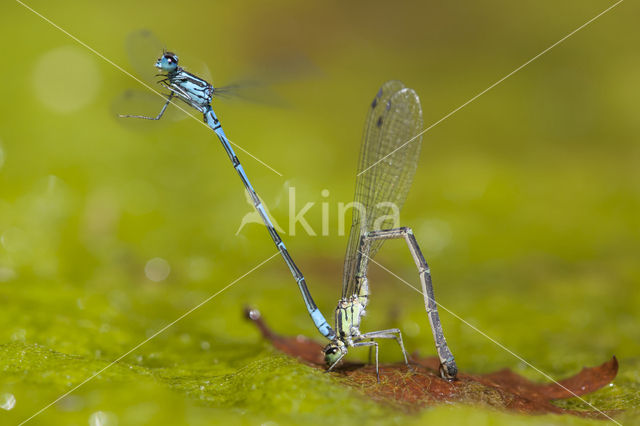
column 526, row 204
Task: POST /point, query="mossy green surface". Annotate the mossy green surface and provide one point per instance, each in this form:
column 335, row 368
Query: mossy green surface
column 526, row 204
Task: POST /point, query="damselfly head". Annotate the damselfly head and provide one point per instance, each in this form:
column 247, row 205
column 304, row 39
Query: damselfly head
column 334, row 352
column 168, row 62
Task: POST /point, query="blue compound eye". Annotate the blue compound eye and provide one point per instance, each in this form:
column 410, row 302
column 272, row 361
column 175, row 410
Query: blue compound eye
column 171, row 58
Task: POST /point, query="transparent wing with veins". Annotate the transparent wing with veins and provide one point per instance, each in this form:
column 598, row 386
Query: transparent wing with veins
column 395, row 116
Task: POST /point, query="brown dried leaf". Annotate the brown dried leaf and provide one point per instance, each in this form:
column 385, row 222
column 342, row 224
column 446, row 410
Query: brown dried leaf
column 412, row 390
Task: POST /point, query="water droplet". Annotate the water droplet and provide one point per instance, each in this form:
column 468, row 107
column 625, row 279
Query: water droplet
column 157, row 269
column 205, row 345
column 103, row 418
column 7, row 401
column 66, row 79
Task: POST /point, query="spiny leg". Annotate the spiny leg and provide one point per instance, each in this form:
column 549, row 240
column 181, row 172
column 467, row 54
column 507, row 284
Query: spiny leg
column 164, row 108
column 371, row 343
column 448, row 368
column 392, row 333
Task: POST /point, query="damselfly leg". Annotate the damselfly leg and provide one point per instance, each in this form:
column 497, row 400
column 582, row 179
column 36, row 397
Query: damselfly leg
column 448, row 368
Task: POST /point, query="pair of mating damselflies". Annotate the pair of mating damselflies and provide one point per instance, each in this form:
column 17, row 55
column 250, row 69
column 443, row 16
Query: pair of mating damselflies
column 386, row 169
